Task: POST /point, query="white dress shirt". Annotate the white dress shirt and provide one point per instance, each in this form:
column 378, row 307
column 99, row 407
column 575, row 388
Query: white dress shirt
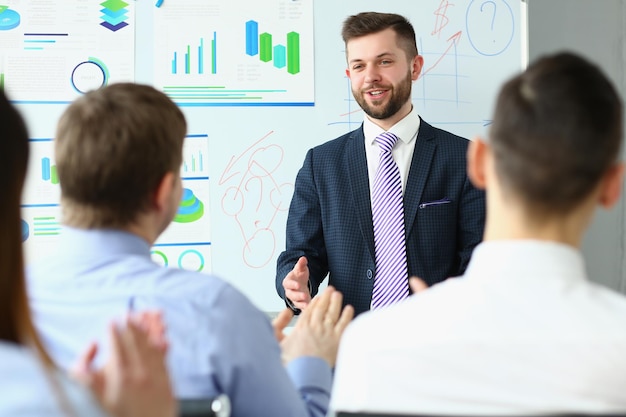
column 402, row 152
column 522, row 332
column 28, row 389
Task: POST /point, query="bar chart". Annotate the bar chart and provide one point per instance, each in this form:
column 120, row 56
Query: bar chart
column 49, row 172
column 194, row 59
column 261, row 45
column 206, row 53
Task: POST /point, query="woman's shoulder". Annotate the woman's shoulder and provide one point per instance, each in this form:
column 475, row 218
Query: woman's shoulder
column 29, row 388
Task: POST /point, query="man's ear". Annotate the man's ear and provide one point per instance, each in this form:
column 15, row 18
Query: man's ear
column 476, row 162
column 416, row 66
column 611, row 187
column 164, row 191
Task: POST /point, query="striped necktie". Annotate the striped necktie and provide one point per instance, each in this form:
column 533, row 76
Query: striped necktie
column 391, row 281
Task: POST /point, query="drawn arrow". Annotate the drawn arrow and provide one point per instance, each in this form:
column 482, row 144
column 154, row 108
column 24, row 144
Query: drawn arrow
column 454, row 38
column 234, row 160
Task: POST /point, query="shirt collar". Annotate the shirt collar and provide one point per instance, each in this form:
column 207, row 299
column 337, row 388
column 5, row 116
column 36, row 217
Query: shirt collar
column 104, row 241
column 532, row 259
column 406, row 129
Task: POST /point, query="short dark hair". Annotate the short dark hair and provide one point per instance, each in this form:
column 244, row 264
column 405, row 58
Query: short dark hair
column 367, row 23
column 557, row 129
column 113, row 147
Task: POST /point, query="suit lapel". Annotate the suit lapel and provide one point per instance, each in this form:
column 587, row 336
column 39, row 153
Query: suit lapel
column 418, row 173
column 359, row 184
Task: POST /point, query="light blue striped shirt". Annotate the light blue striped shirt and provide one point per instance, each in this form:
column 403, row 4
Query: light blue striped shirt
column 219, row 342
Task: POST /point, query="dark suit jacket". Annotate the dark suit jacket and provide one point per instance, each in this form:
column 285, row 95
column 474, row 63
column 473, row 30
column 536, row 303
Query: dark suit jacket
column 330, row 216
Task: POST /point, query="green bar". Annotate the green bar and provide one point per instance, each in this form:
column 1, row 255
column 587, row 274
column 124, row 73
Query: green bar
column 54, row 177
column 293, row 53
column 213, row 57
column 1, row 80
column 265, row 46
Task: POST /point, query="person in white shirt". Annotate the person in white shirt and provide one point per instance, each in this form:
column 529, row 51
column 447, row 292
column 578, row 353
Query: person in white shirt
column 523, row 331
column 133, row 382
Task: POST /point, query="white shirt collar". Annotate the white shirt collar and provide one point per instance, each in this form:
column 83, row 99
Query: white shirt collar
column 406, row 129
column 509, row 259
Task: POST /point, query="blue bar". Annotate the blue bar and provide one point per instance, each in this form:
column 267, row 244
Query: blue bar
column 252, row 38
column 201, row 164
column 201, row 57
column 174, row 64
column 280, row 56
column 45, row 169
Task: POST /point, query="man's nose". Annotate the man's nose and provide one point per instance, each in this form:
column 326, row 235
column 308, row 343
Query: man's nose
column 372, row 74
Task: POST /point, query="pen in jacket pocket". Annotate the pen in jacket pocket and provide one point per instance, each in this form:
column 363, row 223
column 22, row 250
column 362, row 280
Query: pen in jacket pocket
column 435, row 203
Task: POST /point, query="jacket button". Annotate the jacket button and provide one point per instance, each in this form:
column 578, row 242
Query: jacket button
column 370, row 274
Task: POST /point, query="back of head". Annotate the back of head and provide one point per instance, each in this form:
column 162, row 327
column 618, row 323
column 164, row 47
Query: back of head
column 367, row 23
column 113, row 146
column 557, row 129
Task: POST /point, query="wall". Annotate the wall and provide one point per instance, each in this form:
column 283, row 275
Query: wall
column 597, row 30
column 249, row 155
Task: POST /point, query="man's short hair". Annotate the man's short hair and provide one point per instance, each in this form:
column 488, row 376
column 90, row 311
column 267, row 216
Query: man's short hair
column 113, row 146
column 367, row 23
column 557, row 129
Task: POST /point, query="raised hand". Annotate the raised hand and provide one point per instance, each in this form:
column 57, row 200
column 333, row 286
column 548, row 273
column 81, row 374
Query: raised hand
column 296, row 284
column 319, row 328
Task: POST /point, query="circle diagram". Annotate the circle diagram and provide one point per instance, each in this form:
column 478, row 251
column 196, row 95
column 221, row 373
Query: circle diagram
column 191, row 260
column 159, row 257
column 25, row 230
column 9, row 19
column 89, row 75
column 490, row 26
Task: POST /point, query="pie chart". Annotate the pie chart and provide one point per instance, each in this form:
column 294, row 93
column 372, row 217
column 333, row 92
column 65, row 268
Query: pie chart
column 9, row 19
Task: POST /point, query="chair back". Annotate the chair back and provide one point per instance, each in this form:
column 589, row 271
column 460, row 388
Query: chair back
column 204, row 407
column 378, row 414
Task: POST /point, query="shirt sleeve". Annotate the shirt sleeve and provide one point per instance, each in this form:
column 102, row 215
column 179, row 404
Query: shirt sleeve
column 249, row 369
column 304, row 234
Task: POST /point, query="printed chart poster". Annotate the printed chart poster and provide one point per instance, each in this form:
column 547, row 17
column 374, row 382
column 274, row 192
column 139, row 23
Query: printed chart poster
column 54, row 51
column 41, row 227
column 186, row 243
column 235, row 53
column 41, row 186
column 41, row 213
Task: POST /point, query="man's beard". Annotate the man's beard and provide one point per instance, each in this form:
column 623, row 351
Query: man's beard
column 399, row 95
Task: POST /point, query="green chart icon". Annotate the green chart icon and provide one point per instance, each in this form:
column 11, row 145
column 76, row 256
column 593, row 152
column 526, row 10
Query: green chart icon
column 190, row 209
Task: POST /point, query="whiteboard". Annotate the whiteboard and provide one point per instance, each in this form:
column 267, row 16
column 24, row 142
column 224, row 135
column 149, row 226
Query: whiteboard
column 253, row 152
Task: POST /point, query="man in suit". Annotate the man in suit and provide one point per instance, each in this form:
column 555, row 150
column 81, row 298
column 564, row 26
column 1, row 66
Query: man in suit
column 330, row 228
column 524, row 331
